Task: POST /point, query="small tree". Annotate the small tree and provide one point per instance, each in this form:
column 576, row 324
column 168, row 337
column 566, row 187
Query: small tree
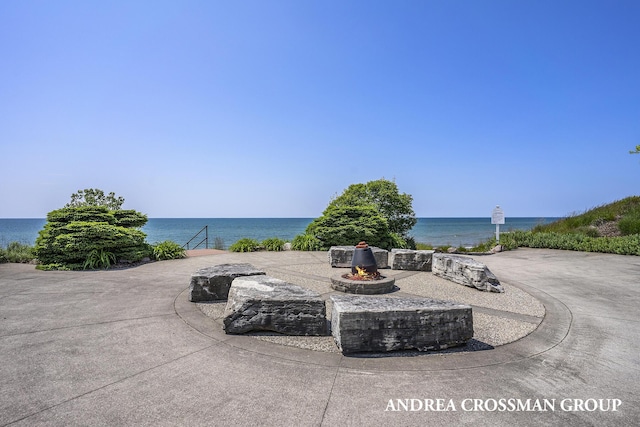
column 374, row 212
column 384, row 196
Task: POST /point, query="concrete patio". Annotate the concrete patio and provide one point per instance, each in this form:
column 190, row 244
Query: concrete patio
column 126, row 347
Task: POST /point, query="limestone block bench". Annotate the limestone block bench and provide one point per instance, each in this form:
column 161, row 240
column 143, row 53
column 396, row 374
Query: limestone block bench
column 213, row 283
column 341, row 256
column 263, row 303
column 465, row 271
column 381, row 324
column 407, row 259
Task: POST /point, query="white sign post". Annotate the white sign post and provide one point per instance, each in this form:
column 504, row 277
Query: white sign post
column 497, row 218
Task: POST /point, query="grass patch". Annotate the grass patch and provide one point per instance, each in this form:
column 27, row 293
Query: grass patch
column 620, row 210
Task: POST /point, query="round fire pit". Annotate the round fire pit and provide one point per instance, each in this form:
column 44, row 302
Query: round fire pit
column 379, row 285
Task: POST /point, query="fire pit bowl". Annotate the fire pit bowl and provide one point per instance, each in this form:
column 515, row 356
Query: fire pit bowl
column 364, row 277
column 379, row 285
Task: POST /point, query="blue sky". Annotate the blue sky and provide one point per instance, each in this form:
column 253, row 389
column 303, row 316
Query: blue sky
column 270, row 108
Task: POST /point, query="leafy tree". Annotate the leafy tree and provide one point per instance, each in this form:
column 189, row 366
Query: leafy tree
column 95, row 197
column 384, row 196
column 374, row 212
column 636, row 151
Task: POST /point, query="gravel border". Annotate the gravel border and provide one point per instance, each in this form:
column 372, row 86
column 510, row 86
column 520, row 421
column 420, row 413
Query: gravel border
column 498, row 318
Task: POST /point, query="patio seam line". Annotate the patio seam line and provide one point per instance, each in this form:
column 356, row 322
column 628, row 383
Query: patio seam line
column 87, row 324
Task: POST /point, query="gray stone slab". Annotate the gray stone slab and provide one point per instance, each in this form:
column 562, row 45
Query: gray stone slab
column 341, row 256
column 381, row 324
column 213, row 283
column 407, row 259
column 465, row 271
column 263, row 303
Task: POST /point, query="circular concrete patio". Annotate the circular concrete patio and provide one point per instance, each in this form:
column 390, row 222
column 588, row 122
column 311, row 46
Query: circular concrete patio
column 127, row 348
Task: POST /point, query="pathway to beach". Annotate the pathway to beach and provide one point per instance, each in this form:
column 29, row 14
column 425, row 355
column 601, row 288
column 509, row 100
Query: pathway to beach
column 126, row 347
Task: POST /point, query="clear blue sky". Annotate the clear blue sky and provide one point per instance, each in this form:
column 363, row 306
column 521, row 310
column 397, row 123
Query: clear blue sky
column 268, row 108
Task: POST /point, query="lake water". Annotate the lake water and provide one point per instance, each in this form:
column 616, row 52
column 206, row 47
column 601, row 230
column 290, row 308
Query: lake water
column 434, row 231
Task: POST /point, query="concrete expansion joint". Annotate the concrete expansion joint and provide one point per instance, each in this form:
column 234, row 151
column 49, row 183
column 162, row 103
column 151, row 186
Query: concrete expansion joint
column 86, row 325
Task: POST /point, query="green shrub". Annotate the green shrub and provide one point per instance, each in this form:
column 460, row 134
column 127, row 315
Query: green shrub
column 273, row 244
column 245, row 245
column 623, row 245
column 484, row 246
column 91, row 237
column 168, row 250
column 17, row 252
column 630, row 224
column 306, row 242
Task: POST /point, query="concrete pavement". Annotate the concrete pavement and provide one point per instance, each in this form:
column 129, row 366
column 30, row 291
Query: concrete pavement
column 127, row 348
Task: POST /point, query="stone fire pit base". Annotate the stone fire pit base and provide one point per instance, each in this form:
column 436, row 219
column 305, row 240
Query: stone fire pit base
column 383, row 285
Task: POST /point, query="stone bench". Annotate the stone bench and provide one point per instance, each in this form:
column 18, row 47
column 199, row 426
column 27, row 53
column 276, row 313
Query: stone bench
column 407, row 259
column 465, row 271
column 381, row 324
column 263, row 303
column 212, row 283
column 341, row 256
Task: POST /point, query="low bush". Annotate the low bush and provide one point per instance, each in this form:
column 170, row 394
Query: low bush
column 168, row 250
column 306, row 242
column 273, row 244
column 17, row 252
column 630, row 224
column 99, row 259
column 245, row 245
column 622, row 245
